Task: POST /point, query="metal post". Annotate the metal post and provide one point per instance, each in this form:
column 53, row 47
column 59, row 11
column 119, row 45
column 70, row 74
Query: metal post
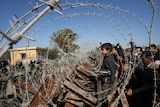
column 17, row 36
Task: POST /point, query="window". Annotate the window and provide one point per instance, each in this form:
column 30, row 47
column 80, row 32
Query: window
column 23, row 55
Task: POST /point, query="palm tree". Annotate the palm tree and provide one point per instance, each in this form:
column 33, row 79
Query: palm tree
column 64, row 39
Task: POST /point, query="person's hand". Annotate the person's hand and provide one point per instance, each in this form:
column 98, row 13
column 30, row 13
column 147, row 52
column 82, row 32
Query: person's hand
column 97, row 70
column 116, row 74
column 125, row 67
column 129, row 92
column 118, row 65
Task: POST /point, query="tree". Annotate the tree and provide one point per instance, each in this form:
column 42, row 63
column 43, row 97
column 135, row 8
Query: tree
column 64, row 39
column 53, row 53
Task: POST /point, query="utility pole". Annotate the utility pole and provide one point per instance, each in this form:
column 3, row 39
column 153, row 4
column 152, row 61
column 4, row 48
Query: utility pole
column 17, row 36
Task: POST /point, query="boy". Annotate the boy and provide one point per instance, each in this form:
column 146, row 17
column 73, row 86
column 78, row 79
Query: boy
column 108, row 65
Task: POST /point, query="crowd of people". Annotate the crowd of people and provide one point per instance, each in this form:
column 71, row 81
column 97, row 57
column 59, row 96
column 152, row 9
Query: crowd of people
column 144, row 81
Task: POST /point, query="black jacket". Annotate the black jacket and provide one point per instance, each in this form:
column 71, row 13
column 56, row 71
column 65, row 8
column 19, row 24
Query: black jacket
column 142, row 84
column 109, row 64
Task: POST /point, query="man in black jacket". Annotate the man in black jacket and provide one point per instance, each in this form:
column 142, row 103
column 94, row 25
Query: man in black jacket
column 142, row 84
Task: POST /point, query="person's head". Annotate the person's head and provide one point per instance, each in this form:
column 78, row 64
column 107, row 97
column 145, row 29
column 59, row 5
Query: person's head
column 117, row 49
column 147, row 57
column 106, row 48
column 127, row 52
column 154, row 48
column 114, row 51
column 138, row 51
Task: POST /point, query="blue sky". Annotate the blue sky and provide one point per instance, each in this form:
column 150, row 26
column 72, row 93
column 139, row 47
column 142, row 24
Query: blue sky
column 91, row 23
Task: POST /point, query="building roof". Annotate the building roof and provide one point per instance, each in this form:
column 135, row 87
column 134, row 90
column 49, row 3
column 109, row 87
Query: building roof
column 29, row 48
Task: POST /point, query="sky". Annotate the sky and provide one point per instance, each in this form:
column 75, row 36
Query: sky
column 115, row 21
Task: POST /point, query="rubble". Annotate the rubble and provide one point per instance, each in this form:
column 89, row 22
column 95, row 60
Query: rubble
column 72, row 89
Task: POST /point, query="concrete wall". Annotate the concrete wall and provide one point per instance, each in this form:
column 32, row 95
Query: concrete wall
column 26, row 54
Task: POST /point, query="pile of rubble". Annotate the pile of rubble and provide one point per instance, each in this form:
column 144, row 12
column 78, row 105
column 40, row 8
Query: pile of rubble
column 79, row 87
column 71, row 89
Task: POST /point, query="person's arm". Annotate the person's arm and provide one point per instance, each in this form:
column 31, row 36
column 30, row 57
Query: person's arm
column 130, row 91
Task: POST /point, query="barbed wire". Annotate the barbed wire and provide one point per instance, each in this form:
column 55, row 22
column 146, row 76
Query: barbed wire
column 65, row 63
